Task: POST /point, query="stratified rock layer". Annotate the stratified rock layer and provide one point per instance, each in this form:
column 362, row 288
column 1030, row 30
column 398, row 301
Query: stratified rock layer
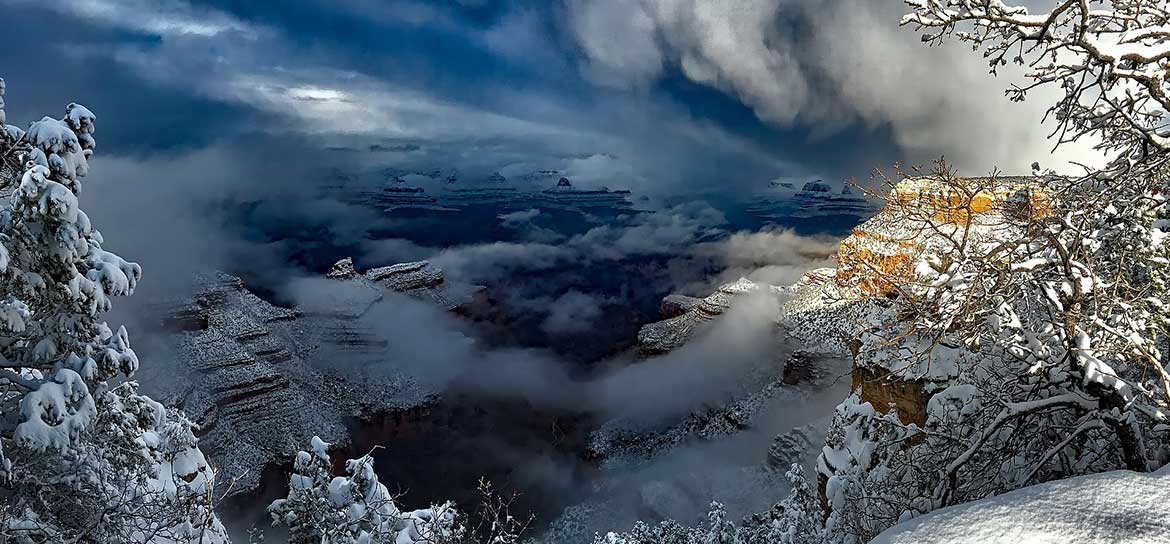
column 691, row 315
column 261, row 380
column 782, row 200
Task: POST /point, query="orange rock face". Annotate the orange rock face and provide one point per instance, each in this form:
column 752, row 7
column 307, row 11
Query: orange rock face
column 955, row 204
column 877, row 262
column 883, row 390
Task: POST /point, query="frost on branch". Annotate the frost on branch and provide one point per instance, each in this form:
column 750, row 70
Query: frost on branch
column 1034, row 337
column 84, row 456
column 1109, row 57
column 1038, row 342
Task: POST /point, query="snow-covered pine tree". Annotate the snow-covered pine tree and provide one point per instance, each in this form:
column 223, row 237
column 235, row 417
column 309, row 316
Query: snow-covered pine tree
column 83, row 456
column 11, row 164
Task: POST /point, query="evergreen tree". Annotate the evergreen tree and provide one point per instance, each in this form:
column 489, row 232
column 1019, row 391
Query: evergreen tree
column 84, row 456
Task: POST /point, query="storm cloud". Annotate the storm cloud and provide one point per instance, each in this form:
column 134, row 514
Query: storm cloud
column 663, row 97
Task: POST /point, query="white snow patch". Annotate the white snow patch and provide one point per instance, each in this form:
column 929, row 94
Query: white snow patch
column 1112, row 507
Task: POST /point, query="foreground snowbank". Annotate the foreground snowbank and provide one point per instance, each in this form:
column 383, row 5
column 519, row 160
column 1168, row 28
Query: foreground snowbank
column 1118, row 507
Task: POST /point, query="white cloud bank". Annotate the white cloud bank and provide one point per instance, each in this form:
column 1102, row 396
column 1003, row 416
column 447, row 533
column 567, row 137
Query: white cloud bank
column 824, row 64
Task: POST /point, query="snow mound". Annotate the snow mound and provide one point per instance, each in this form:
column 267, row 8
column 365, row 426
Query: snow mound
column 1112, row 507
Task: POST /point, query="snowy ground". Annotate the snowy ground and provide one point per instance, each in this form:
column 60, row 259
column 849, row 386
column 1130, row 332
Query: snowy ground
column 1113, row 507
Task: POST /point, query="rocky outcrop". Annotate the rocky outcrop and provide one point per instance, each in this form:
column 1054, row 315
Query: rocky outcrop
column 884, row 391
column 400, row 195
column 947, row 204
column 619, row 441
column 261, row 380
column 880, row 253
column 542, row 189
column 782, row 200
column 535, row 192
column 690, row 316
column 342, row 270
column 628, row 456
column 676, row 305
column 565, row 195
column 421, row 280
column 394, row 196
column 876, row 263
column 248, row 381
column 793, row 446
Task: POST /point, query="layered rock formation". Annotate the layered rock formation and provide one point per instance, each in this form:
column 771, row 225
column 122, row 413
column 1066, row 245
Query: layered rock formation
column 544, row 189
column 877, row 259
column 688, row 315
column 808, row 318
column 401, row 195
column 494, row 192
column 260, row 380
column 564, row 195
column 397, row 195
column 424, row 281
column 881, row 252
column 630, row 455
column 783, row 201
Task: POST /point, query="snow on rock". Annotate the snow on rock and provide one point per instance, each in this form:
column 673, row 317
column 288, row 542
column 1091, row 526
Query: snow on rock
column 1111, row 507
column 693, row 315
column 421, row 280
column 255, row 381
column 619, row 442
column 676, row 305
column 768, row 400
column 564, row 195
column 395, row 196
column 821, row 316
column 342, row 270
column 624, row 453
column 259, row 381
column 400, row 195
column 794, row 446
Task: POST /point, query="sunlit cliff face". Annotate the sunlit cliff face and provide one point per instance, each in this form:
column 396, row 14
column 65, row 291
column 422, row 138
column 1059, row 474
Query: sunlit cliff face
column 956, row 201
column 881, row 253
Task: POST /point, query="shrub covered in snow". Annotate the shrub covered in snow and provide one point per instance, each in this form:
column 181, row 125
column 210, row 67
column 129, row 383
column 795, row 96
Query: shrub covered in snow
column 1040, row 337
column 1019, row 343
column 356, row 508
column 796, row 520
column 352, row 509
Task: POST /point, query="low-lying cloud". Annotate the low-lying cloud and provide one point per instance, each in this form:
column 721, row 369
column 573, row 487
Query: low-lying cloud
column 572, row 312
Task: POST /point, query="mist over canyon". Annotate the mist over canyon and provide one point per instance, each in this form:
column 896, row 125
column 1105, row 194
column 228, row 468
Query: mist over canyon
column 573, row 271
column 527, row 358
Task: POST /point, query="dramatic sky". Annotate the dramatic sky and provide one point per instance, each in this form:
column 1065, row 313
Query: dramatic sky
column 667, row 96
